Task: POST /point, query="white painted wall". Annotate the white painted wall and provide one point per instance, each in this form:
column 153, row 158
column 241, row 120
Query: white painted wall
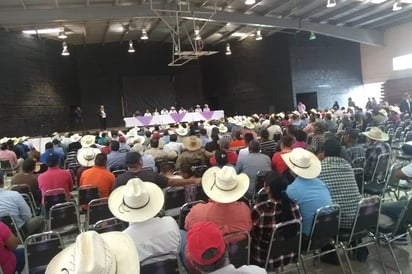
column 377, row 61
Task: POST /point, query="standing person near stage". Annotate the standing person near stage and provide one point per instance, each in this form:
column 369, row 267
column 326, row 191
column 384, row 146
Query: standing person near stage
column 78, row 118
column 103, row 116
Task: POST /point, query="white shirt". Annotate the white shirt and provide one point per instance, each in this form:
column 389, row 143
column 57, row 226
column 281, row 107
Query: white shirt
column 155, row 236
column 245, row 269
column 174, row 146
column 242, row 153
column 274, row 129
column 147, row 114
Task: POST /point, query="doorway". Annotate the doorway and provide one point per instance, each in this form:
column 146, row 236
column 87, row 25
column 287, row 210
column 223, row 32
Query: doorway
column 309, row 99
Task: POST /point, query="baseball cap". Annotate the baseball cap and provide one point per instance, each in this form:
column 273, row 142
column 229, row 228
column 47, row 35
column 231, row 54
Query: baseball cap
column 156, row 135
column 205, row 243
column 122, row 139
column 52, row 159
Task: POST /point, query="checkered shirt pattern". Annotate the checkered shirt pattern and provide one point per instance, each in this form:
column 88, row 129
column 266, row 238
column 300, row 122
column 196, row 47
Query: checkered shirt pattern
column 338, row 175
column 265, row 216
column 372, row 153
column 355, row 151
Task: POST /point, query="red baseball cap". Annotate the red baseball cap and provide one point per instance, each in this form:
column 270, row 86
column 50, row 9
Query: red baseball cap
column 156, row 135
column 122, row 139
column 204, row 236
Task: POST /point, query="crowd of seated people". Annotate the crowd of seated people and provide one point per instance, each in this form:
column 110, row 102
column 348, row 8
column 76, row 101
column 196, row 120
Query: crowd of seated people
column 309, row 156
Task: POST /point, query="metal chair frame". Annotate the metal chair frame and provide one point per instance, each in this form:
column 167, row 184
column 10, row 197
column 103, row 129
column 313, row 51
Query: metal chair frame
column 98, row 210
column 238, row 245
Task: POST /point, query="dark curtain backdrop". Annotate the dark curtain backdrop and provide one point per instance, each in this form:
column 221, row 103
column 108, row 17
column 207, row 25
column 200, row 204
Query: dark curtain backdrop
column 147, row 92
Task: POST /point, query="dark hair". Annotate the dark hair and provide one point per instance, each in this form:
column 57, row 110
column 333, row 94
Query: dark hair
column 202, row 131
column 173, row 138
column 221, row 158
column 185, row 168
column 264, row 133
column 133, row 158
column 166, row 166
column 4, row 146
column 248, row 137
column 154, row 142
column 56, row 141
column 278, row 185
column 300, row 135
column 254, row 146
column 238, row 135
column 147, row 133
column 221, row 262
column 48, row 145
column 114, row 146
column 28, row 165
column 287, row 140
column 100, row 160
column 331, row 147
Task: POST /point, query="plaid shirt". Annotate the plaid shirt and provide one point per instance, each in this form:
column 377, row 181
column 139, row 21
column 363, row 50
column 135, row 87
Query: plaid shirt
column 317, row 143
column 372, row 153
column 265, row 216
column 355, row 151
column 338, row 175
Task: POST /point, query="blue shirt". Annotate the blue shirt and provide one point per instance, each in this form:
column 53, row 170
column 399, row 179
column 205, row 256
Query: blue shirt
column 116, row 160
column 310, row 194
column 12, row 203
column 43, row 156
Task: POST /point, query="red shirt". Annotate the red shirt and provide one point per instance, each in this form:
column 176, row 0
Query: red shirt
column 53, row 178
column 7, row 258
column 231, row 158
column 277, row 162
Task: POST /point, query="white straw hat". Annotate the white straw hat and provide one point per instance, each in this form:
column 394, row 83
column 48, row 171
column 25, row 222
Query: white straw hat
column 137, row 201
column 93, row 253
column 87, row 140
column 222, row 128
column 87, row 155
column 376, row 134
column 303, row 163
column 75, row 138
column 181, row 131
column 224, row 185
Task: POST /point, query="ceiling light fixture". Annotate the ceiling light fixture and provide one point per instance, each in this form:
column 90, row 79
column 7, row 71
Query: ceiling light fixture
column 312, row 36
column 65, row 51
column 258, row 35
column 197, row 34
column 176, row 49
column 397, row 5
column 250, row 2
column 131, row 48
column 144, row 35
column 228, row 50
column 331, row 3
column 62, row 35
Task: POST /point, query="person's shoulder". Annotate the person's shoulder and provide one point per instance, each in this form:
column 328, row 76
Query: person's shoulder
column 250, row 269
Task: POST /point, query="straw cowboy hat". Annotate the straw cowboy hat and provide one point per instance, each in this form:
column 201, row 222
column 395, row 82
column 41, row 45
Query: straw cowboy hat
column 75, row 138
column 222, row 128
column 24, row 138
column 93, row 253
column 192, row 143
column 181, row 131
column 137, row 139
column 137, row 201
column 376, row 134
column 224, row 185
column 87, row 140
column 303, row 163
column 87, row 155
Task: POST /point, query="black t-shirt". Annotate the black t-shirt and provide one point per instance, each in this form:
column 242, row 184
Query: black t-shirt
column 144, row 175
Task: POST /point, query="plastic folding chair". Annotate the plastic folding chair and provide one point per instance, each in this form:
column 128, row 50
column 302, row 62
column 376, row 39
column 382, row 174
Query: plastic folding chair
column 286, row 240
column 11, row 223
column 239, row 248
column 375, row 188
column 391, row 233
column 365, row 228
column 163, row 263
column 40, row 250
column 324, row 233
column 98, row 210
column 174, row 199
column 64, row 218
column 53, row 197
column 358, row 162
column 111, row 224
column 184, row 210
column 260, row 178
column 86, row 194
column 359, row 177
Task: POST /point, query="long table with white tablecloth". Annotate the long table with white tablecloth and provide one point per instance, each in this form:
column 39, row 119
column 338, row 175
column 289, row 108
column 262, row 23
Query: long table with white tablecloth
column 139, row 121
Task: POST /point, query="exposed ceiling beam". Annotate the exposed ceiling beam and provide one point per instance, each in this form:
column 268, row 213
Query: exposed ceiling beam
column 226, row 35
column 23, row 4
column 126, row 30
column 380, row 16
column 276, row 6
column 33, row 17
column 389, row 21
column 106, row 30
column 336, row 11
column 363, row 12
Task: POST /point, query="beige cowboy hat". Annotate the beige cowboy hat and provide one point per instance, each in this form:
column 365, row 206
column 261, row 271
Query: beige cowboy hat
column 93, row 253
column 383, row 112
column 87, row 155
column 376, row 134
column 303, row 163
column 4, row 140
column 192, row 143
column 395, row 109
column 75, row 138
column 138, row 139
column 222, row 128
column 223, row 185
column 24, row 138
column 181, row 131
column 249, row 124
column 137, row 201
column 87, row 140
